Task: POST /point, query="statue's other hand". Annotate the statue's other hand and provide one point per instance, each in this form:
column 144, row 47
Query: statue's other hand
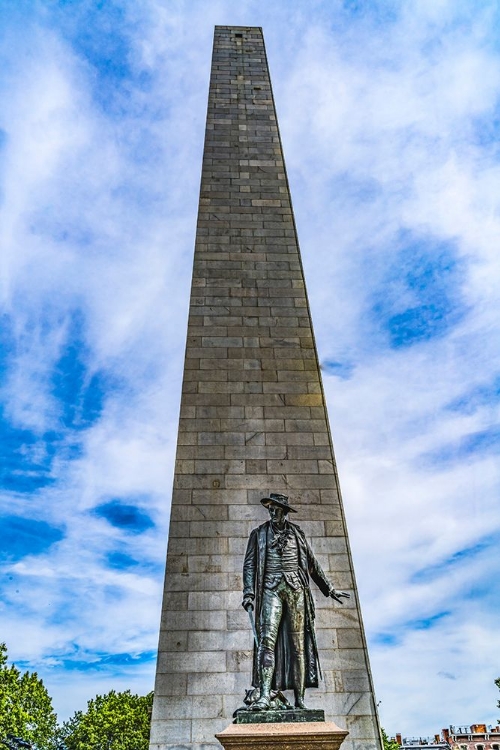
column 339, row 595
column 247, row 603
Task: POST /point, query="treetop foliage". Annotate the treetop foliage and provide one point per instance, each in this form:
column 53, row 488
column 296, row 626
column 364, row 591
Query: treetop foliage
column 388, row 744
column 497, row 683
column 25, row 706
column 116, row 721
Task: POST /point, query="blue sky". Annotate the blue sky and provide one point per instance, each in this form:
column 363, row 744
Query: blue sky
column 389, row 114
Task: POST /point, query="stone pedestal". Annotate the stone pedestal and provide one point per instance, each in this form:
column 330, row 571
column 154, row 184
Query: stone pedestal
column 315, row 735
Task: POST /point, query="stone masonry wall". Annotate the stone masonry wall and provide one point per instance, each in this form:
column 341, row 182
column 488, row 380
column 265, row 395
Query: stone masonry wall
column 252, row 421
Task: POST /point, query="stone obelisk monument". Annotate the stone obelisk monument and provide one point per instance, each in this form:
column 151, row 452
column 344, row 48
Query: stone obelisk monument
column 253, row 421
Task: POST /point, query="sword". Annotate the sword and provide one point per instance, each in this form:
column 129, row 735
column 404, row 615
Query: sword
column 252, row 623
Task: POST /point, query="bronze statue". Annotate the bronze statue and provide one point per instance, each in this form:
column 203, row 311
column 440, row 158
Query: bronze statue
column 276, row 571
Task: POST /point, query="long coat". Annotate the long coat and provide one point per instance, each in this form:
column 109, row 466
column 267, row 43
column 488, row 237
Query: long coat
column 253, row 585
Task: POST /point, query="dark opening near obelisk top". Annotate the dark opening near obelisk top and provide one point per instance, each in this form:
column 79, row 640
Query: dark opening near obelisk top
column 252, row 421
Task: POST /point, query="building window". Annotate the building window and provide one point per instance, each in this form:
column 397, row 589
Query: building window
column 479, row 747
column 495, row 747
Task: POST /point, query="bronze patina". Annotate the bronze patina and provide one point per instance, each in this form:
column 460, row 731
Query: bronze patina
column 278, row 566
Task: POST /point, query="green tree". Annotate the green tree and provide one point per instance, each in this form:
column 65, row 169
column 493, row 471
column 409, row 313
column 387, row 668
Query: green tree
column 388, row 744
column 497, row 683
column 116, row 721
column 25, row 706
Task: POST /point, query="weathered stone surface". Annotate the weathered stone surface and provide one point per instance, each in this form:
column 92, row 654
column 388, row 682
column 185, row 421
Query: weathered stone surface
column 253, row 421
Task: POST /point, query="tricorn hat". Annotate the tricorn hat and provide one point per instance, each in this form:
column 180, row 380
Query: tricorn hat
column 277, row 499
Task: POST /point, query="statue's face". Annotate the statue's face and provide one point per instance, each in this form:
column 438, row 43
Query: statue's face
column 277, row 513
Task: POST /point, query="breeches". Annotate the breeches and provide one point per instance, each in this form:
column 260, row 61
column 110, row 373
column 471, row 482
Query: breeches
column 283, row 601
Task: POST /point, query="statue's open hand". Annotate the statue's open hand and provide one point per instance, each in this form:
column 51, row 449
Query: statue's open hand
column 339, row 595
column 247, row 603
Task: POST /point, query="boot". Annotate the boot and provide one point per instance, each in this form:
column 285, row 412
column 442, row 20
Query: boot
column 299, row 698
column 299, row 670
column 266, row 675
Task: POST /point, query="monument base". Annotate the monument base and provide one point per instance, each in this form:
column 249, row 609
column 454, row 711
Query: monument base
column 314, row 735
column 295, row 715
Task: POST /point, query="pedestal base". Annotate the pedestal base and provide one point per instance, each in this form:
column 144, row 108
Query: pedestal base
column 244, row 716
column 316, row 735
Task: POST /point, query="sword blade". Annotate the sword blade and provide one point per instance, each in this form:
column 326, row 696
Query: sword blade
column 254, row 631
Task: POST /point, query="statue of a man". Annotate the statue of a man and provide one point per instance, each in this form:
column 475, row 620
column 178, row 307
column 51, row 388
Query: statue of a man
column 276, row 571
